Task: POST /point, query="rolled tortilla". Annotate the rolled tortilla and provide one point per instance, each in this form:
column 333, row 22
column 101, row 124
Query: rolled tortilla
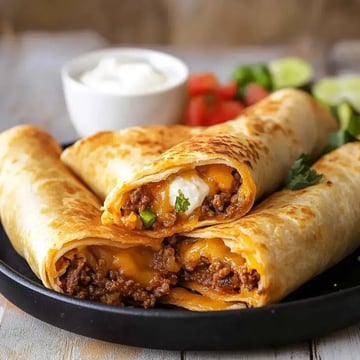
column 53, row 221
column 286, row 240
column 107, row 158
column 216, row 176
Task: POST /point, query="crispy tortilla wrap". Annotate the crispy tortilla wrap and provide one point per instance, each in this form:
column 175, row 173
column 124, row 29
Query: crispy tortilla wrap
column 286, row 240
column 216, row 176
column 53, row 221
column 107, row 158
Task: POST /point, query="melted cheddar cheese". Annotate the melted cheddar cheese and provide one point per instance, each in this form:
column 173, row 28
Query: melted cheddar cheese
column 195, row 184
column 136, row 263
column 191, row 251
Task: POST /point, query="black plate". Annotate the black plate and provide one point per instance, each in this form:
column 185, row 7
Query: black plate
column 326, row 303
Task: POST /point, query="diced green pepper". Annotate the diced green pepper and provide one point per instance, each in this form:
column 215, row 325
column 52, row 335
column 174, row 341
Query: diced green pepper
column 147, row 217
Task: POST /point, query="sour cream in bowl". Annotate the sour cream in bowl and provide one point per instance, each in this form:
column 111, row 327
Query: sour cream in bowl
column 117, row 88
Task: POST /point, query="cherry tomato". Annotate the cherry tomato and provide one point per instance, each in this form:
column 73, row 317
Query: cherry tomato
column 254, row 93
column 210, row 102
column 201, row 84
column 226, row 110
column 195, row 112
column 227, row 91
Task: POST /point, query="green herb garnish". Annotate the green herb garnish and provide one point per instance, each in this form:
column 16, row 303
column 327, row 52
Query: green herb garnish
column 301, row 175
column 147, row 217
column 247, row 74
column 181, row 203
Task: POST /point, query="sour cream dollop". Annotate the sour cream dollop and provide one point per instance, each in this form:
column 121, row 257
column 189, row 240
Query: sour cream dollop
column 114, row 76
column 194, row 189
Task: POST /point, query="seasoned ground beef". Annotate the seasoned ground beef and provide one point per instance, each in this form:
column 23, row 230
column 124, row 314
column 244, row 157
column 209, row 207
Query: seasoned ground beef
column 166, row 219
column 220, row 277
column 139, row 199
column 164, row 257
column 221, row 204
column 112, row 287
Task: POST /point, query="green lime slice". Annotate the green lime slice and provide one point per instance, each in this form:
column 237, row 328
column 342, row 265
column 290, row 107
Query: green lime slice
column 290, row 72
column 336, row 90
column 344, row 114
column 328, row 91
column 350, row 87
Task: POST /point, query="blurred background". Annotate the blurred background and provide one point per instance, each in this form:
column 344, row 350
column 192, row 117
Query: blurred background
column 189, row 22
column 38, row 36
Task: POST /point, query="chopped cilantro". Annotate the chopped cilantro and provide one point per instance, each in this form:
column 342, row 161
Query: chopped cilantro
column 300, row 175
column 181, row 203
column 147, row 217
column 247, row 74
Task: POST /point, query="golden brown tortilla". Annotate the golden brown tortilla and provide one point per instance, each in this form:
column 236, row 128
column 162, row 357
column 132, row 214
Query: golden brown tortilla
column 260, row 146
column 110, row 157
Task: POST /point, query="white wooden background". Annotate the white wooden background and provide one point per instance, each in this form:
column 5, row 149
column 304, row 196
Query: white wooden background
column 30, row 92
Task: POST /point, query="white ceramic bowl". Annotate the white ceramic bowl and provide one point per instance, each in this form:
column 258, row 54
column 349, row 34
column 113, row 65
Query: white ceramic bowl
column 92, row 110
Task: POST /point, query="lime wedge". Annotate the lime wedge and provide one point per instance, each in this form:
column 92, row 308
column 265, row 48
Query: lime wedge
column 328, row 91
column 336, row 90
column 350, row 87
column 290, row 72
column 344, row 115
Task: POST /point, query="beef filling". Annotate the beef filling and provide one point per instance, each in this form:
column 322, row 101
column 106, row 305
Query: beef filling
column 220, row 276
column 222, row 204
column 138, row 200
column 112, row 287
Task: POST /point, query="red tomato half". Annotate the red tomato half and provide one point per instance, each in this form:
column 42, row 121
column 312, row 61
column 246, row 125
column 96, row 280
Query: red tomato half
column 254, row 93
column 195, row 112
column 201, row 84
column 227, row 91
column 226, row 110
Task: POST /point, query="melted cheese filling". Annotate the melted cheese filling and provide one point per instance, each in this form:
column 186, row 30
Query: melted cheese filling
column 191, row 251
column 195, row 185
column 137, row 263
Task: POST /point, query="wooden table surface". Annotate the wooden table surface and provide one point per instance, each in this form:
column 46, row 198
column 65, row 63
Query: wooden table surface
column 30, row 92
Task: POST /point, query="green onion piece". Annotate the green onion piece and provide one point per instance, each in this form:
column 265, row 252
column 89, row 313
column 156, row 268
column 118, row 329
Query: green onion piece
column 301, row 175
column 147, row 217
column 181, row 202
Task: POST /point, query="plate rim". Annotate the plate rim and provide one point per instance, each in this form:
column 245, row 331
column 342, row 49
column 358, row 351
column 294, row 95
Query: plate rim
column 281, row 324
